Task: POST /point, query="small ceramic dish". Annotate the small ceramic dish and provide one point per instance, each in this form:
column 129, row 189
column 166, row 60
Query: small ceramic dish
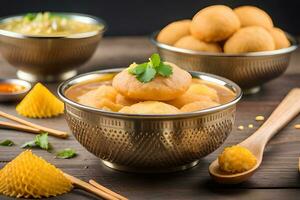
column 14, row 95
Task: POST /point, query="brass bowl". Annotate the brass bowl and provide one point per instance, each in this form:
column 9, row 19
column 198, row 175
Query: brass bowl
column 52, row 58
column 150, row 143
column 248, row 70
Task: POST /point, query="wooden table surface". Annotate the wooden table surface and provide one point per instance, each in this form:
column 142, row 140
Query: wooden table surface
column 277, row 178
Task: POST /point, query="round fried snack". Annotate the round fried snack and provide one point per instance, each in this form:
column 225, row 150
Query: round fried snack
column 253, row 16
column 250, row 39
column 150, row 107
column 214, row 23
column 159, row 89
column 196, row 92
column 280, row 39
column 198, row 105
column 103, row 97
column 124, row 101
column 174, row 31
column 192, row 43
column 29, row 176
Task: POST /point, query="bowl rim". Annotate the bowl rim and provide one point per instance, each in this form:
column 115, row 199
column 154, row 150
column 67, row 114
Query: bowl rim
column 94, row 19
column 292, row 39
column 209, row 77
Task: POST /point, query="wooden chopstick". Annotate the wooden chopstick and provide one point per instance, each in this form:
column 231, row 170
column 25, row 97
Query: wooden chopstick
column 104, row 189
column 90, row 188
column 50, row 131
column 19, row 127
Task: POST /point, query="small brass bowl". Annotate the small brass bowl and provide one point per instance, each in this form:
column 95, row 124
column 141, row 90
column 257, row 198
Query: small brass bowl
column 49, row 58
column 150, row 143
column 248, row 70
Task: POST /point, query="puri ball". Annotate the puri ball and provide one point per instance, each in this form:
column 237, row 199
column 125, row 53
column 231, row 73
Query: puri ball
column 280, row 39
column 104, row 97
column 250, row 39
column 150, row 107
column 174, row 31
column 198, row 105
column 214, row 23
column 159, row 89
column 192, row 43
column 253, row 16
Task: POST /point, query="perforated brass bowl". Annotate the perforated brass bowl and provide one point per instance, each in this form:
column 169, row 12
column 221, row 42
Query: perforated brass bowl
column 248, row 70
column 49, row 58
column 150, row 143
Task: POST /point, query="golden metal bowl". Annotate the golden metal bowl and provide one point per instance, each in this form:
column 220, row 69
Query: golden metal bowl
column 52, row 58
column 150, row 143
column 248, row 70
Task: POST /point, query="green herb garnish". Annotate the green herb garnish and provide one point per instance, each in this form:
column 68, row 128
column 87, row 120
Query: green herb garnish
column 6, row 143
column 66, row 153
column 30, row 16
column 40, row 141
column 147, row 71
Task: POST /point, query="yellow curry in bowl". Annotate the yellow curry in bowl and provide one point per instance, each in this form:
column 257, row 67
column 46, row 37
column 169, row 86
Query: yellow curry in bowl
column 49, row 24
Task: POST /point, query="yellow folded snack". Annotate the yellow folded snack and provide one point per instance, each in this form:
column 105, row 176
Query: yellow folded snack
column 29, row 176
column 40, row 103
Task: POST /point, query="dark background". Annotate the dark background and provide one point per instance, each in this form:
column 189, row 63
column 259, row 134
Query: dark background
column 140, row 17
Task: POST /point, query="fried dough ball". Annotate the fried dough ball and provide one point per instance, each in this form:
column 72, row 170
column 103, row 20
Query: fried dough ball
column 192, row 43
column 280, row 39
column 120, row 99
column 198, row 105
column 174, row 31
column 253, row 16
column 150, row 107
column 250, row 39
column 201, row 89
column 103, row 97
column 196, row 92
column 214, row 23
column 159, row 89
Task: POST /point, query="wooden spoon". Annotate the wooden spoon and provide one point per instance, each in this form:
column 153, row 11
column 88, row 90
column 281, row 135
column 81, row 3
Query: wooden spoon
column 282, row 115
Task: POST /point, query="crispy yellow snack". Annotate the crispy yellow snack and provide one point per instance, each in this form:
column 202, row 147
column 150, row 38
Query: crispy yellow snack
column 214, row 23
column 253, row 16
column 236, row 159
column 174, row 31
column 29, row 176
column 192, row 43
column 250, row 39
column 40, row 103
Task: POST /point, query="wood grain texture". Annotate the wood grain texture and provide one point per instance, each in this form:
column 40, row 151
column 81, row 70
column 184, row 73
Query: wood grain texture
column 277, row 178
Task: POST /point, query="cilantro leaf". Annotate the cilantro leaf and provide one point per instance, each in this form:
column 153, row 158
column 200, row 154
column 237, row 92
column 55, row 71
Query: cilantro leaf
column 40, row 140
column 139, row 69
column 29, row 144
column 147, row 71
column 164, row 70
column 148, row 75
column 6, row 143
column 155, row 60
column 66, row 153
column 30, row 16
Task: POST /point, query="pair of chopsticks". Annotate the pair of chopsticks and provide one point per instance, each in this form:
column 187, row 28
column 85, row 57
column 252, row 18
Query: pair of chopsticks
column 29, row 126
column 95, row 188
